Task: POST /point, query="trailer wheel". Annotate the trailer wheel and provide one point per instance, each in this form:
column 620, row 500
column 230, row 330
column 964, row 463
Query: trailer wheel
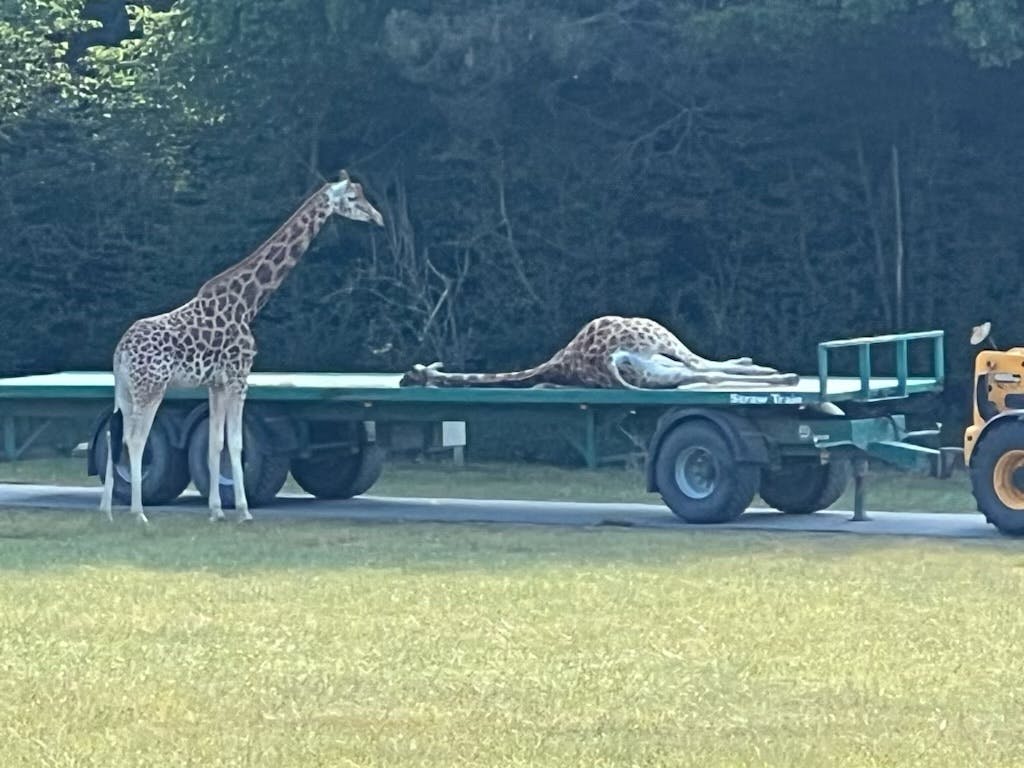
column 264, row 471
column 997, row 476
column 699, row 477
column 164, row 466
column 339, row 474
column 803, row 487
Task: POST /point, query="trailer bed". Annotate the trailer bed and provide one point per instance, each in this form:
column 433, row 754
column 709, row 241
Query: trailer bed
column 384, row 387
column 322, row 427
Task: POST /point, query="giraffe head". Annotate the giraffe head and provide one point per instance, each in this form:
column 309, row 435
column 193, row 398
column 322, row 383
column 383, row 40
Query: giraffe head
column 420, row 375
column 345, row 198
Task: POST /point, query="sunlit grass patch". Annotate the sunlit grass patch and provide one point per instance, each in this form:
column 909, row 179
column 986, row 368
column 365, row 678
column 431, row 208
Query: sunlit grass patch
column 312, row 643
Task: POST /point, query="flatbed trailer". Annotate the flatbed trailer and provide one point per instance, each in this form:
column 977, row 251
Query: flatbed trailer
column 712, row 448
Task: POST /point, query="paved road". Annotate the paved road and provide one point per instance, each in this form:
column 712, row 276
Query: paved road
column 375, row 508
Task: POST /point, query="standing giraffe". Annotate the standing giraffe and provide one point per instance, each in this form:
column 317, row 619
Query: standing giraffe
column 208, row 342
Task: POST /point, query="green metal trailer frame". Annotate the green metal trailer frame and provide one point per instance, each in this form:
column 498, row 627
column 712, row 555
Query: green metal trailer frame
column 326, row 421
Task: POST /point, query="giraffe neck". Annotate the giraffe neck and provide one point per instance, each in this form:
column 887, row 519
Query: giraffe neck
column 253, row 280
column 552, row 371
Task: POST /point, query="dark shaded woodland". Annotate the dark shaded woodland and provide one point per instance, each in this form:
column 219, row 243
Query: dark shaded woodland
column 759, row 175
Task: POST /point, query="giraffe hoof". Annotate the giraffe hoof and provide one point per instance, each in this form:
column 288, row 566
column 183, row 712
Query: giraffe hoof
column 246, row 519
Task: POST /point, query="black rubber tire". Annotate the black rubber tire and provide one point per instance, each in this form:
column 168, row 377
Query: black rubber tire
column 735, row 482
column 803, row 487
column 339, row 474
column 265, row 472
column 164, row 466
column 994, row 443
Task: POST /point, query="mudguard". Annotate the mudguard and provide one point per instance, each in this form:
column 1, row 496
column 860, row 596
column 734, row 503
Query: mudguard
column 979, row 433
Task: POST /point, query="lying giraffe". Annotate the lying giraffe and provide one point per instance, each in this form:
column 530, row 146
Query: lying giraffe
column 208, row 342
column 612, row 352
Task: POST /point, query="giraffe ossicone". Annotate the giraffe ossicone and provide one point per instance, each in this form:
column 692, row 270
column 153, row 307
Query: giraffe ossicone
column 346, row 198
column 615, row 352
column 208, row 342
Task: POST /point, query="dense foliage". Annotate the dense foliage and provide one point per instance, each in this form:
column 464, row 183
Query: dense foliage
column 751, row 172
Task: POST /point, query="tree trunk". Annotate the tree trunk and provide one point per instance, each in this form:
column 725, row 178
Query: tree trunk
column 876, row 231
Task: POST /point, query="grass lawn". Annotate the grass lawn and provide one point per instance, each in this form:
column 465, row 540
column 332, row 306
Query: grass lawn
column 330, row 644
column 887, row 490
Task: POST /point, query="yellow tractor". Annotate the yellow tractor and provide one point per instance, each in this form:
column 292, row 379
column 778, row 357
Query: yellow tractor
column 994, row 442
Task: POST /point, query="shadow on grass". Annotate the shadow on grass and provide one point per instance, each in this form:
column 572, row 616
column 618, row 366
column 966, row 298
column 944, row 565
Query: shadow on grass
column 49, row 540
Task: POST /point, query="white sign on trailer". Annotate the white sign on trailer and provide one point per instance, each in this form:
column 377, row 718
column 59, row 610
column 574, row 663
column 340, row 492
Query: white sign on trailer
column 775, row 398
column 453, row 434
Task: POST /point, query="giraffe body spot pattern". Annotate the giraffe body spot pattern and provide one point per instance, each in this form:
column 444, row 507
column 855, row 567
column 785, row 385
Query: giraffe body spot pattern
column 208, row 342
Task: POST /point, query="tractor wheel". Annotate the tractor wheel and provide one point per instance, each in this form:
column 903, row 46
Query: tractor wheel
column 802, row 487
column 698, row 475
column 997, row 476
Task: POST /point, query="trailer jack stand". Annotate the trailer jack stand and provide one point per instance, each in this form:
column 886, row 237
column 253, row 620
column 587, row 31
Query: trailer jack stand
column 860, row 476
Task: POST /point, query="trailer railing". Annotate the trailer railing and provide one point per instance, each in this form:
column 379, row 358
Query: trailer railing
column 901, row 343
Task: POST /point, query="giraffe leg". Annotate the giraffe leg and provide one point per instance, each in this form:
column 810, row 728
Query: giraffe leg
column 114, row 435
column 218, row 400
column 662, row 372
column 615, row 360
column 235, row 406
column 654, row 371
column 715, row 378
column 137, row 426
column 679, row 375
column 749, row 370
column 739, row 367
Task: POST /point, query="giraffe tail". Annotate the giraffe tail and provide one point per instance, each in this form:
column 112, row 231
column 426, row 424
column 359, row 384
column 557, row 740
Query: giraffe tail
column 115, row 435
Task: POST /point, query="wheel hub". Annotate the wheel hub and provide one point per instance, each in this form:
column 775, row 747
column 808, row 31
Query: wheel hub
column 696, row 472
column 1008, row 479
